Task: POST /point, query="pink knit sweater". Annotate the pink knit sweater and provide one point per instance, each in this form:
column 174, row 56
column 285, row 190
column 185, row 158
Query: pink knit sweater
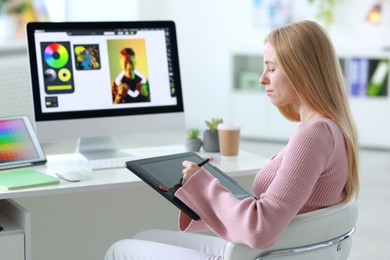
column 308, row 174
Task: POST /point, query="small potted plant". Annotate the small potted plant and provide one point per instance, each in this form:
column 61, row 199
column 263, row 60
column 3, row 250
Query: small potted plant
column 9, row 7
column 210, row 136
column 193, row 142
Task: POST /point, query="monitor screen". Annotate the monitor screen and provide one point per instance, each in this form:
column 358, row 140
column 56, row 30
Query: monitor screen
column 104, row 78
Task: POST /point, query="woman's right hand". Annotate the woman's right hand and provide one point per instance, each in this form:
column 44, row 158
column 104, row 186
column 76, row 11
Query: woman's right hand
column 190, row 168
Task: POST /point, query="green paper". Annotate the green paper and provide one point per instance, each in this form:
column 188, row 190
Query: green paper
column 22, row 179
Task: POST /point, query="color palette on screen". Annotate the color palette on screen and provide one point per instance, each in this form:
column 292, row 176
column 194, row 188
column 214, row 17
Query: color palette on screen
column 15, row 142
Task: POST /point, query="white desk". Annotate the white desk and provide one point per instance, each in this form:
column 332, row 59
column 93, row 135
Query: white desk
column 244, row 164
column 107, row 205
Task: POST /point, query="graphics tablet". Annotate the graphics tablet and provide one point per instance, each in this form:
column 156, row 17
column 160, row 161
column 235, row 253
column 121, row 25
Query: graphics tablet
column 19, row 145
column 164, row 174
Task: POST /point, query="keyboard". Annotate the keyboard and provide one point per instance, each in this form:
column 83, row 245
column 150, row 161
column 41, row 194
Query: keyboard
column 106, row 163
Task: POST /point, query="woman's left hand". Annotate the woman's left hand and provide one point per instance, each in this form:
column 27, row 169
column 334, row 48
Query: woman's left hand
column 190, row 168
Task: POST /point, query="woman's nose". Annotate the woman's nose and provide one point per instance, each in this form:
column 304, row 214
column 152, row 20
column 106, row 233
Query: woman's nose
column 263, row 80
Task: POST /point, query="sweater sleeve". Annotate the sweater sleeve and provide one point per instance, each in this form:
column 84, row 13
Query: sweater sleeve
column 259, row 222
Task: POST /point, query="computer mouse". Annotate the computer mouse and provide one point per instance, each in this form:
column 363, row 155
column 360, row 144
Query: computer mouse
column 72, row 176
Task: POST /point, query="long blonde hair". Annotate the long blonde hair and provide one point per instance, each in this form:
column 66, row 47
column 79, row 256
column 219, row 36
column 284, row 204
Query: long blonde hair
column 306, row 54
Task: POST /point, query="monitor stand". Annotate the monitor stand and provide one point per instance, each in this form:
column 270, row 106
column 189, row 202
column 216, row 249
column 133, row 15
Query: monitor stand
column 98, row 148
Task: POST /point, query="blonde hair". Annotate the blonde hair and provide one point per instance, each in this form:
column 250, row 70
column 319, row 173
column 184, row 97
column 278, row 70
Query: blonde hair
column 306, row 55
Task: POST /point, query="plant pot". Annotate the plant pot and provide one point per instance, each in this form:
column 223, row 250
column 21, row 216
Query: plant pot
column 193, row 145
column 211, row 141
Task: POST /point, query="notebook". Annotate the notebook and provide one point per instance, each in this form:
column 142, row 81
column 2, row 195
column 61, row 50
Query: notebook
column 163, row 174
column 19, row 145
column 26, row 178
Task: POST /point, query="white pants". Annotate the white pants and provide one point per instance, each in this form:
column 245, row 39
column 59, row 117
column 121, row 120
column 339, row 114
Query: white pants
column 170, row 245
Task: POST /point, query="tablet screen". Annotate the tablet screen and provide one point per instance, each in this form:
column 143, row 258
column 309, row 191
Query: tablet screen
column 168, row 171
column 19, row 146
column 164, row 173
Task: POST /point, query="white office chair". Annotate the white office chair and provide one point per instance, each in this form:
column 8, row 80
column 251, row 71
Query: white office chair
column 325, row 234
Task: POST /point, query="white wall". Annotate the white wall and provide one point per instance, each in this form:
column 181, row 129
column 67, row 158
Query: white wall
column 92, row 10
column 210, row 32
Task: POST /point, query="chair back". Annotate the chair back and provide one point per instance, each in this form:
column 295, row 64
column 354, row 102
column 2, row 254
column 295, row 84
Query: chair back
column 324, row 234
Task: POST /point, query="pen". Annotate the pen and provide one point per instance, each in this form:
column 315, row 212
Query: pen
column 173, row 189
column 205, row 161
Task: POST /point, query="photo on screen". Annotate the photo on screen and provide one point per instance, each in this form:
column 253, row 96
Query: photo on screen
column 87, row 56
column 128, row 71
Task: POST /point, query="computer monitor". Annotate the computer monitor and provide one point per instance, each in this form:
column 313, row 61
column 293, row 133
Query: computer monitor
column 95, row 80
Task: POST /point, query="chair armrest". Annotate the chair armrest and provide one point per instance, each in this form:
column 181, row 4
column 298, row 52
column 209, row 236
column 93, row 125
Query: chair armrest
column 236, row 251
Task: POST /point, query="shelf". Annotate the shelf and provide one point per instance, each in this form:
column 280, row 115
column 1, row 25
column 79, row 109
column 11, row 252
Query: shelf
column 9, row 227
column 367, row 77
column 247, row 70
column 15, row 238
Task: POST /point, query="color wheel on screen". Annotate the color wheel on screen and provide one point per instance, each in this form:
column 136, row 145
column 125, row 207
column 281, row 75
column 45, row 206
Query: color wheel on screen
column 56, row 55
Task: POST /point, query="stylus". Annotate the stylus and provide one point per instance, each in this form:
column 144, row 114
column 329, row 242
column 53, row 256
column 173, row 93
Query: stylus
column 164, row 188
column 205, row 161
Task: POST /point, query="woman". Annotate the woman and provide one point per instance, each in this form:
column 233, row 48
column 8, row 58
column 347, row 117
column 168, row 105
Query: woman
column 318, row 167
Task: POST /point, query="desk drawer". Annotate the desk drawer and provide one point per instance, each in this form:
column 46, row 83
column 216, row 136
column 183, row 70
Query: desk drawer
column 12, row 246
